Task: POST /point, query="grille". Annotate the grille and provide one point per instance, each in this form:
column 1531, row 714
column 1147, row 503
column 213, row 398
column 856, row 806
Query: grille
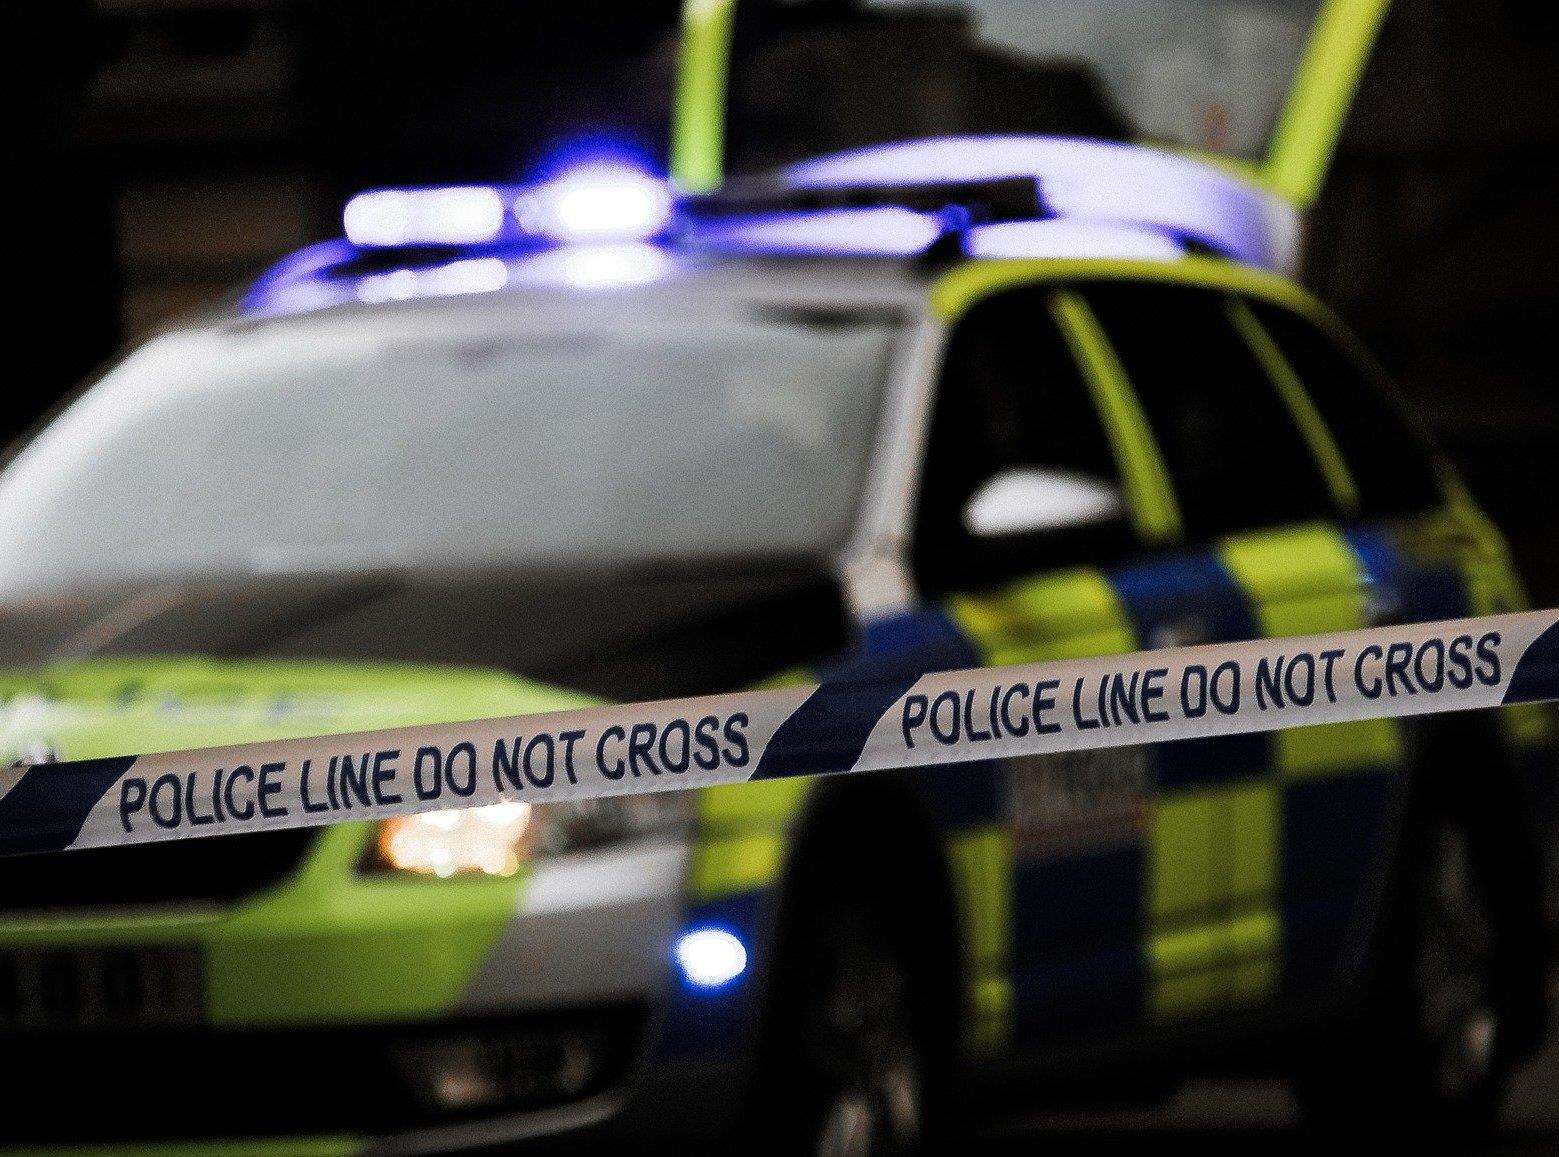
column 216, row 870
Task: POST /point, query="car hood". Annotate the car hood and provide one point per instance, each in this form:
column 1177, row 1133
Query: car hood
column 117, row 706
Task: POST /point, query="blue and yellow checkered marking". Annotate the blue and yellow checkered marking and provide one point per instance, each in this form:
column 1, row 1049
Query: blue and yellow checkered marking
column 1240, row 876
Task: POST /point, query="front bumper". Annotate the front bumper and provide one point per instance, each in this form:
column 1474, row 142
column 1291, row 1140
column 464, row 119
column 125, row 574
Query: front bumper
column 337, row 1005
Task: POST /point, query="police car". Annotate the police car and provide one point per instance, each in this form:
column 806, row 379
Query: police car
column 937, row 404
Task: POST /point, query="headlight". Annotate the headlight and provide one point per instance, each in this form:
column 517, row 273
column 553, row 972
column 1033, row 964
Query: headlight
column 497, row 839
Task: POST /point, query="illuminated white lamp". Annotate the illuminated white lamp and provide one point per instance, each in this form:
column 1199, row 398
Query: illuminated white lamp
column 710, row 957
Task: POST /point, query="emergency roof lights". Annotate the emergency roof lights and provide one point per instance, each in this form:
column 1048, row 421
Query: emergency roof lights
column 458, row 215
column 595, row 201
column 1084, row 180
column 599, row 219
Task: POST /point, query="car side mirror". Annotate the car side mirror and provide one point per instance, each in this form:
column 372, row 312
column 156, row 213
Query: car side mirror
column 1034, row 499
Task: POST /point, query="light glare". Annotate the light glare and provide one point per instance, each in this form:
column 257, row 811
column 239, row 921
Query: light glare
column 457, row 215
column 600, row 201
column 710, row 957
column 492, row 840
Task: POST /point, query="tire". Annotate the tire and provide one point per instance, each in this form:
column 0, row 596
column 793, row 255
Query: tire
column 848, row 1054
column 1430, row 1050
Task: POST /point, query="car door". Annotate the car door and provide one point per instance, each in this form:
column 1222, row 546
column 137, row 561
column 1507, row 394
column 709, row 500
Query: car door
column 1261, row 489
column 1037, row 476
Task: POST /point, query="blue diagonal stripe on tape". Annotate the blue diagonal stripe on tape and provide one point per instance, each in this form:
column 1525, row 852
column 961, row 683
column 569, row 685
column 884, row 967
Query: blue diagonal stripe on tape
column 827, row 733
column 1536, row 676
column 46, row 809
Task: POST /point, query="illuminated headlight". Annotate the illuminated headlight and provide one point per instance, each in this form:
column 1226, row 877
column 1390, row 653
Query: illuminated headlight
column 496, row 840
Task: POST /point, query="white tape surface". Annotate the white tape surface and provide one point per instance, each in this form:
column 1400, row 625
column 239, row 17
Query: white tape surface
column 865, row 725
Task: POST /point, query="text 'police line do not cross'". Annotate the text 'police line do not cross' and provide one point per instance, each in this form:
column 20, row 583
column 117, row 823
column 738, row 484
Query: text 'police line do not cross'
column 850, row 725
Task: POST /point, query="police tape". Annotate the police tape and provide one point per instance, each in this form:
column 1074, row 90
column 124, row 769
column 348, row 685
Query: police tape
column 841, row 725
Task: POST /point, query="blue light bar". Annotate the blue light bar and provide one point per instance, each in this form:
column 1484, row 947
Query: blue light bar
column 587, row 225
column 596, row 201
column 592, row 202
column 1090, row 180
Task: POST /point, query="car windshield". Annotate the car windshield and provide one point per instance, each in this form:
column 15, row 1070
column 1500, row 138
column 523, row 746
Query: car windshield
column 1202, row 74
column 490, row 437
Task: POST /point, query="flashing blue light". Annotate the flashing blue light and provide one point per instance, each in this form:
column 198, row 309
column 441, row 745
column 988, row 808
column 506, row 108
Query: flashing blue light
column 710, row 957
column 456, row 215
column 594, row 201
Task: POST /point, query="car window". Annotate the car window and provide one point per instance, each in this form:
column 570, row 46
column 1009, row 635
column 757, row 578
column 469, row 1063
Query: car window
column 1019, row 472
column 1391, row 465
column 637, row 433
column 1234, row 454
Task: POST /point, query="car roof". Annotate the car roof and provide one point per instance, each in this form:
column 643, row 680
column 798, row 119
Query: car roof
column 572, row 284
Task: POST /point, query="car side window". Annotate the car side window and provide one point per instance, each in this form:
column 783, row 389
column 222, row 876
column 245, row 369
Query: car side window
column 1391, row 465
column 1234, row 454
column 1019, row 472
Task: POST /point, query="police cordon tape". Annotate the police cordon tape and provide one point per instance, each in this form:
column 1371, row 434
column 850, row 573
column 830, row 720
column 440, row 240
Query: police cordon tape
column 842, row 725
